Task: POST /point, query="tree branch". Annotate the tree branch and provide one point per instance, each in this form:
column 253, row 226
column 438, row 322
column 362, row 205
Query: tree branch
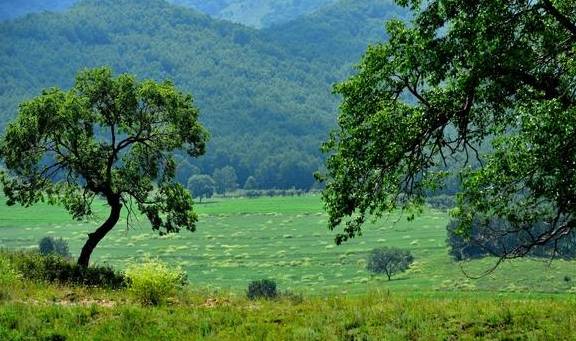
column 561, row 18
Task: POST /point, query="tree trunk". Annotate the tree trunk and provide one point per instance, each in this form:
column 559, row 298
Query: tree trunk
column 95, row 237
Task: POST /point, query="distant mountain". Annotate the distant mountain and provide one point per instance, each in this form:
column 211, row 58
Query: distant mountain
column 338, row 33
column 16, row 8
column 254, row 13
column 265, row 99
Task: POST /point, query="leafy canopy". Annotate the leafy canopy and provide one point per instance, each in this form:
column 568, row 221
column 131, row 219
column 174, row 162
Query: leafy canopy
column 107, row 136
column 462, row 73
column 389, row 261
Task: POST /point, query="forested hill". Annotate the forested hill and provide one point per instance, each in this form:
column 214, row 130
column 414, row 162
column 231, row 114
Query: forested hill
column 255, row 13
column 267, row 104
column 337, row 33
column 17, row 8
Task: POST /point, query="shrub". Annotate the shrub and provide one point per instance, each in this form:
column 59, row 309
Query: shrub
column 57, row 269
column 153, row 281
column 264, row 288
column 49, row 245
column 389, row 261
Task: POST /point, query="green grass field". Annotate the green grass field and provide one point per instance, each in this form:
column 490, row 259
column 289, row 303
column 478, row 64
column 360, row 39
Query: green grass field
column 286, row 239
column 100, row 315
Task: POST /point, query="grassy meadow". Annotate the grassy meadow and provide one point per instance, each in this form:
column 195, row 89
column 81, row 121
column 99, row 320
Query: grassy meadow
column 286, row 239
column 332, row 296
column 97, row 315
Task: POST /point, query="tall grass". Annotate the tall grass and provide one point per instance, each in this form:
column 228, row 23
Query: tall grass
column 373, row 316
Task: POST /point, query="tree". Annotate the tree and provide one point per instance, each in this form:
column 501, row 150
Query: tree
column 201, row 186
column 389, row 261
column 462, row 73
column 108, row 137
column 184, row 170
column 225, row 179
column 250, row 183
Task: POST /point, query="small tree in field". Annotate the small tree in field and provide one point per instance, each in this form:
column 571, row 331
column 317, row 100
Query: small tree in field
column 389, row 261
column 106, row 137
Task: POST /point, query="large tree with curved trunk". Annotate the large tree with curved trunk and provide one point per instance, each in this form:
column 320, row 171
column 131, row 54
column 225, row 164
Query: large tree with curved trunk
column 463, row 73
column 107, row 137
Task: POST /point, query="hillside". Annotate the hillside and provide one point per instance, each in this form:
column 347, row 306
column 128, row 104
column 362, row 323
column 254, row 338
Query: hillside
column 267, row 106
column 255, row 13
column 13, row 9
column 338, row 33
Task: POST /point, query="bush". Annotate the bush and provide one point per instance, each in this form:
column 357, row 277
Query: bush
column 49, row 245
column 264, row 288
column 57, row 269
column 389, row 261
column 153, row 281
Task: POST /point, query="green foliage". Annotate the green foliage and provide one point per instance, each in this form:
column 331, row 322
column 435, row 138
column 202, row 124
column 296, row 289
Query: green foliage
column 271, row 193
column 201, row 186
column 8, row 274
column 458, row 75
column 496, row 237
column 56, row 269
column 50, row 245
column 250, row 183
column 389, row 261
column 264, row 288
column 152, row 282
column 108, row 136
column 225, row 179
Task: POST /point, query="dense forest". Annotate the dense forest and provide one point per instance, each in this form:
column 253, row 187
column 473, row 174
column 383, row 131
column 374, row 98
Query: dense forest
column 13, row 9
column 255, row 13
column 265, row 95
